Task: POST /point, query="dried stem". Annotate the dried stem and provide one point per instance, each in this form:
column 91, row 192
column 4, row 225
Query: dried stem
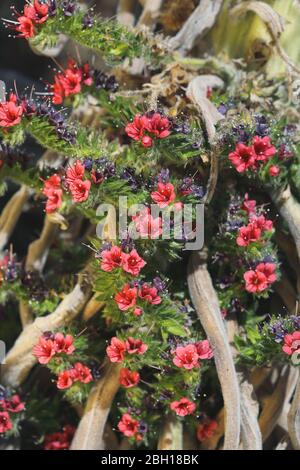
column 207, row 307
column 171, row 436
column 125, row 12
column 20, row 359
column 294, row 418
column 89, row 433
column 150, row 13
column 38, row 250
column 11, row 213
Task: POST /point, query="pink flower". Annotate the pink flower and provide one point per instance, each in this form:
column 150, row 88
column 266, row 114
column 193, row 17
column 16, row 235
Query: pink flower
column 10, row 112
column 204, row 350
column 80, row 190
column 13, row 404
column 262, row 223
column 63, row 344
column 158, row 125
column 81, row 373
column 186, row 356
column 38, row 12
column 243, row 157
column 206, row 430
column 25, row 27
column 135, row 346
column 59, row 440
column 129, row 378
column 128, row 426
column 137, row 311
column 249, row 205
column 5, row 422
column 64, row 380
column 146, row 225
column 248, row 234
column 54, row 200
column 113, row 258
column 274, row 170
column 268, row 269
column 74, row 173
column 147, row 141
column 133, row 263
column 135, row 129
column 116, row 350
column 292, row 343
column 256, row 281
column 164, row 195
column 183, row 407
column 263, row 148
column 149, row 294
column 44, row 350
column 126, row 298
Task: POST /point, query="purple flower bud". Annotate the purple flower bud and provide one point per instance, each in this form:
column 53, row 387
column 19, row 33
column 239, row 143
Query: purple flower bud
column 88, row 20
column 68, row 7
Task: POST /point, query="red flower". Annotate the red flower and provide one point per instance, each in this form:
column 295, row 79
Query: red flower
column 111, row 259
column 274, row 170
column 146, row 225
column 59, row 440
column 5, row 422
column 71, row 81
column 51, row 183
column 10, row 112
column 158, row 125
column 135, row 129
column 126, row 298
column 292, row 343
column 149, row 294
column 116, row 350
column 65, row 379
column 81, row 373
column 164, row 195
column 63, row 344
column 206, row 430
column 25, row 27
column 53, row 192
column 249, row 205
column 262, row 223
column 44, row 350
column 86, row 75
column 128, row 426
column 133, row 263
column 263, row 148
column 38, row 12
column 129, row 378
column 204, row 350
column 58, row 90
column 137, row 311
column 147, row 141
column 186, row 356
column 248, row 234
column 256, row 281
column 135, row 346
column 73, row 173
column 14, row 404
column 243, row 157
column 80, row 190
column 183, row 407
column 268, row 269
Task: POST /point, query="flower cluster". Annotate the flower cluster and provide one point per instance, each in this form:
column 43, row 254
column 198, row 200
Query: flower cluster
column 147, row 127
column 129, row 427
column 291, row 343
column 183, row 407
column 34, row 13
column 117, row 349
column 59, row 440
column 10, row 112
column 50, row 345
column 114, row 258
column 127, row 298
column 259, row 279
column 188, row 356
column 251, row 157
column 206, row 429
column 70, row 82
column 78, row 373
column 10, row 406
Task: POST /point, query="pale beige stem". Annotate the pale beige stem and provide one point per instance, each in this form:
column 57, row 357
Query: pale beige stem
column 20, row 359
column 150, row 13
column 38, row 249
column 89, row 433
column 11, row 213
column 125, row 12
column 207, row 307
column 171, row 436
column 25, row 313
column 294, row 418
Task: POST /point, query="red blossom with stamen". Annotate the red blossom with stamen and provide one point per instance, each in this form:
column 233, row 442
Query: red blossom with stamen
column 263, row 148
column 116, row 350
column 126, row 298
column 135, row 346
column 64, row 380
column 164, row 195
column 256, row 281
column 158, row 125
column 13, row 404
column 25, row 27
column 292, row 343
column 10, row 112
column 44, row 350
column 5, row 422
column 250, row 233
column 133, row 263
column 268, row 269
column 262, row 223
column 146, row 225
column 111, row 259
column 81, row 373
column 80, row 190
column 204, row 349
column 149, row 294
column 63, row 344
column 135, row 129
column 186, row 356
column 183, row 407
column 249, row 205
column 74, row 173
column 206, row 430
column 128, row 426
column 243, row 157
column 129, row 378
